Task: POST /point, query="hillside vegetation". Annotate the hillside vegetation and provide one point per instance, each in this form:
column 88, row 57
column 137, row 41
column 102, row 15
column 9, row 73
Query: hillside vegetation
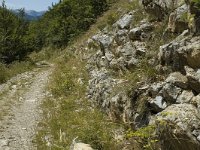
column 126, row 72
column 59, row 25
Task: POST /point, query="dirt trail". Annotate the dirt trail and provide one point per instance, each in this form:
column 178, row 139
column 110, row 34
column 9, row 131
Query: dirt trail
column 17, row 128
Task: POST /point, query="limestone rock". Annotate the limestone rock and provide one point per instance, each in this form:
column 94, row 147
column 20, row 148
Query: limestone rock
column 125, row 21
column 180, row 53
column 170, row 92
column 193, row 79
column 158, row 104
column 139, row 32
column 178, row 79
column 196, row 102
column 185, row 97
column 104, row 40
column 135, row 34
column 177, row 20
column 121, row 36
column 127, row 50
column 155, row 89
column 160, row 8
column 185, row 121
column 140, row 48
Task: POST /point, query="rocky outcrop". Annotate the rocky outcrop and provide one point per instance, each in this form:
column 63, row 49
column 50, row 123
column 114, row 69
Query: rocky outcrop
column 173, row 99
column 180, row 53
column 160, row 8
column 178, row 127
column 194, row 10
column 178, row 20
column 125, row 21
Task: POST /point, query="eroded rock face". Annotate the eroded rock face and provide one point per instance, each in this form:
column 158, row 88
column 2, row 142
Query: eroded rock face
column 125, row 21
column 160, row 8
column 194, row 9
column 185, row 127
column 174, row 99
column 178, row 54
column 178, row 20
column 141, row 31
column 178, row 80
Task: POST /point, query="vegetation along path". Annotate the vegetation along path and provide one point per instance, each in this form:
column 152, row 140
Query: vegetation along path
column 20, row 99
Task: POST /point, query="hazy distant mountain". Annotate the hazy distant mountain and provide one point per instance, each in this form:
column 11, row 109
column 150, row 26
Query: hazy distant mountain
column 32, row 14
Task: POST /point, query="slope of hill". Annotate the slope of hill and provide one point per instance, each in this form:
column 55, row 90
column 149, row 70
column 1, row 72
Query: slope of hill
column 130, row 82
column 142, row 62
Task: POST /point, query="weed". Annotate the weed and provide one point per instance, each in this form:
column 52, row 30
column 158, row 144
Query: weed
column 69, row 113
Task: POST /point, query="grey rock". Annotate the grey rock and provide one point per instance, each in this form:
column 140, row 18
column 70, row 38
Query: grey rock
column 178, row 79
column 198, row 138
column 158, row 104
column 135, row 34
column 127, row 50
column 185, row 97
column 109, row 56
column 176, row 23
column 180, row 53
column 155, row 89
column 196, row 102
column 125, row 21
column 139, row 32
column 193, row 79
column 114, row 64
column 160, row 8
column 170, row 92
column 4, row 143
column 132, row 63
column 140, row 48
column 184, row 118
column 121, row 37
column 104, row 40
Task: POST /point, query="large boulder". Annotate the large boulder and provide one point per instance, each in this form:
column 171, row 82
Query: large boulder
column 178, row 79
column 157, row 104
column 178, row 21
column 170, row 92
column 184, row 131
column 104, row 41
column 140, row 32
column 121, row 37
column 160, row 8
column 194, row 9
column 180, row 53
column 193, row 79
column 185, row 97
column 125, row 21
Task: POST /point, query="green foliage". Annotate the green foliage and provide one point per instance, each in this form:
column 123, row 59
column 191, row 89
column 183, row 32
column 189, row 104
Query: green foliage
column 60, row 24
column 146, row 135
column 14, row 44
column 196, row 1
column 65, row 20
column 8, row 71
column 4, row 73
column 112, row 18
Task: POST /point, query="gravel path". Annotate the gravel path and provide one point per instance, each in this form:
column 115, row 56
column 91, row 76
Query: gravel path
column 17, row 129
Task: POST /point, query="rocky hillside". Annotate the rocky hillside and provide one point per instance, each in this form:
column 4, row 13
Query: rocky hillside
column 144, row 71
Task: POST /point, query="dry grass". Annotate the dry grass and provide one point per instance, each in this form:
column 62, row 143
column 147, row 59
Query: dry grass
column 11, row 70
column 69, row 112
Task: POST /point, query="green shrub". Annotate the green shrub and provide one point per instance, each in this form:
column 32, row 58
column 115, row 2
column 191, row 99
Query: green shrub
column 3, row 73
column 112, row 18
